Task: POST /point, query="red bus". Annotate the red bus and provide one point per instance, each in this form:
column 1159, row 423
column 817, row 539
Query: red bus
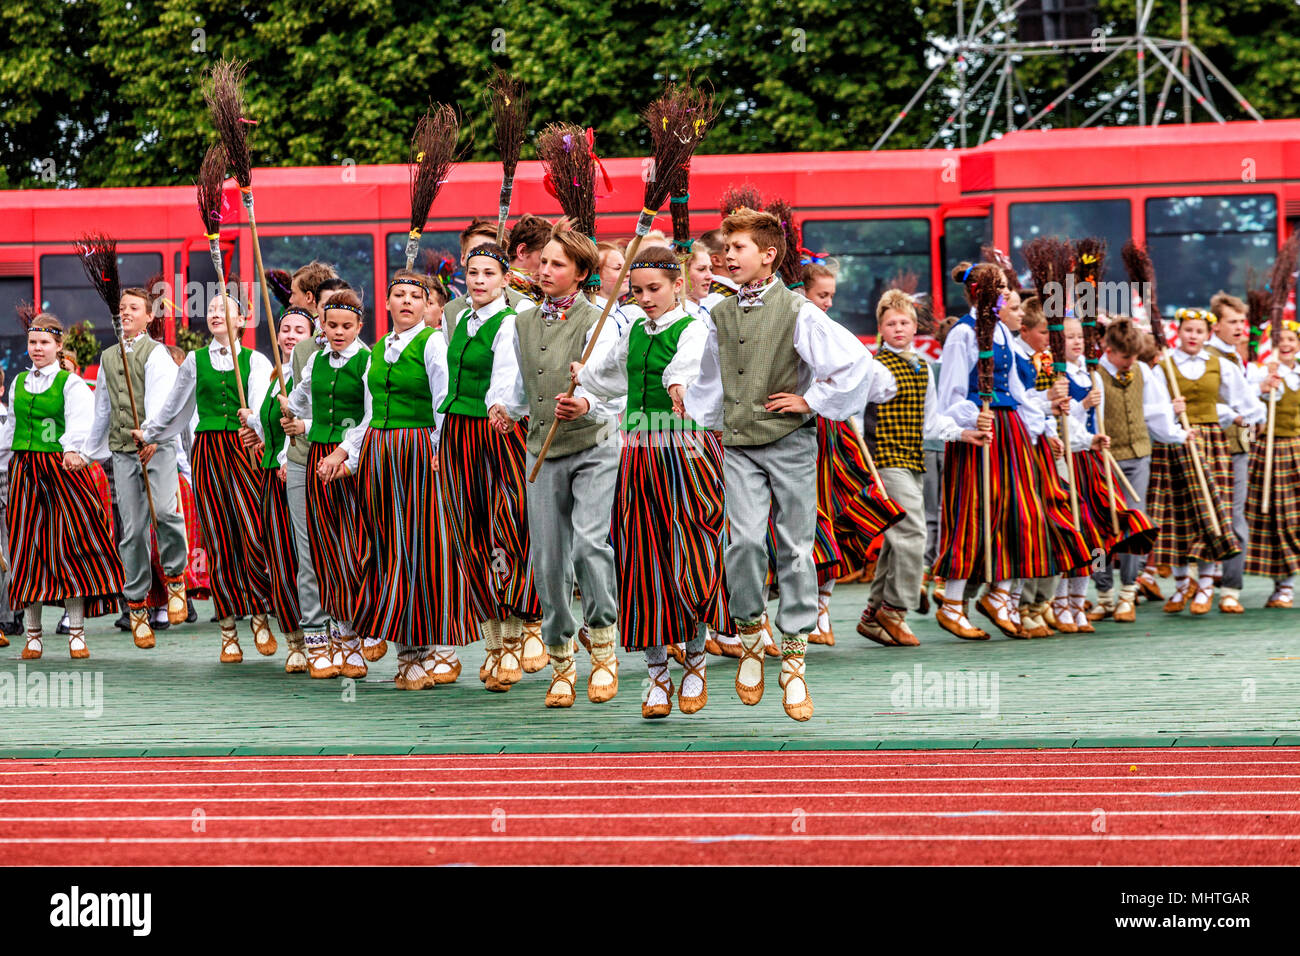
column 1212, row 201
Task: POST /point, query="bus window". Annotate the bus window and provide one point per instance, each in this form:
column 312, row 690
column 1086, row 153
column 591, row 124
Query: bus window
column 873, row 254
column 1109, row 219
column 445, row 242
column 13, row 341
column 964, row 238
column 1201, row 244
column 352, row 256
column 66, row 292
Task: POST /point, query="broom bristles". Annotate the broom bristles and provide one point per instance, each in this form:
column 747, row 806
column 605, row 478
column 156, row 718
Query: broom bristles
column 986, row 319
column 789, row 267
column 1090, row 260
column 223, row 89
column 433, row 151
column 281, row 285
column 1049, row 258
column 98, row 255
column 212, row 174
column 26, row 311
column 745, row 196
column 1282, row 281
column 678, row 120
column 508, row 98
column 571, row 172
column 1142, row 272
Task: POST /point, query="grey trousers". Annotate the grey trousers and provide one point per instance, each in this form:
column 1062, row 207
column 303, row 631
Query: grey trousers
column 6, row 612
column 933, row 493
column 311, row 616
column 1234, row 568
column 1138, row 473
column 780, row 479
column 902, row 557
column 133, row 506
column 569, row 510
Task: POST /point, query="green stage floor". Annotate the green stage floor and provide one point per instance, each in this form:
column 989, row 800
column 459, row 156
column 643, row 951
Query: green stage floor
column 1165, row 681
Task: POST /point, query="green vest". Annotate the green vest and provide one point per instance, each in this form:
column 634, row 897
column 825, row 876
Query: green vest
column 1202, row 395
column 469, row 363
column 272, row 430
column 338, row 397
column 1238, row 437
column 120, row 422
column 303, row 353
column 1126, row 422
column 216, row 395
column 399, row 393
column 649, row 406
column 757, row 358
column 545, row 351
column 901, row 420
column 38, row 419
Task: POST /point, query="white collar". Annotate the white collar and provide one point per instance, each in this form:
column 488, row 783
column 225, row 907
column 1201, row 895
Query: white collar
column 401, row 338
column 45, row 371
column 894, row 350
column 1182, row 357
column 216, row 347
column 1218, row 343
column 1021, row 346
column 348, row 352
column 664, row 321
column 1109, row 366
column 492, row 308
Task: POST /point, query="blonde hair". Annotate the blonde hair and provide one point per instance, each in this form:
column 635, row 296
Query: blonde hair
column 1222, row 302
column 898, row 301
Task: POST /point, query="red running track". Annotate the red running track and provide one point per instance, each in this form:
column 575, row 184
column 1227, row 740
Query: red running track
column 1202, row 806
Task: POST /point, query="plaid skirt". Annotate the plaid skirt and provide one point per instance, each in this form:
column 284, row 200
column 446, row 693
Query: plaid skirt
column 1273, row 548
column 1136, row 533
column 1033, row 532
column 1177, row 507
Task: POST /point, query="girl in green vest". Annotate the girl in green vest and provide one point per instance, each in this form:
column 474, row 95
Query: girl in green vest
column 668, row 509
column 413, row 590
column 332, row 395
column 1273, row 547
column 483, row 483
column 264, row 434
column 225, row 479
column 60, row 536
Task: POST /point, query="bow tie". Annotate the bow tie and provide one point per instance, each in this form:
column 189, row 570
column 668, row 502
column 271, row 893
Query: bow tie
column 1123, row 378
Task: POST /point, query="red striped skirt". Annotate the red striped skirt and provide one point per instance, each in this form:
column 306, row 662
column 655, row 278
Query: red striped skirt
column 281, row 554
column 1136, row 533
column 484, row 495
column 335, row 535
column 412, row 587
column 226, row 486
column 60, row 536
column 1177, row 506
column 667, row 533
column 1273, row 547
column 1033, row 534
column 851, row 511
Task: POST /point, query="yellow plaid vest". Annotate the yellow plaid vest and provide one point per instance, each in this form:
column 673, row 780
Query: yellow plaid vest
column 901, row 420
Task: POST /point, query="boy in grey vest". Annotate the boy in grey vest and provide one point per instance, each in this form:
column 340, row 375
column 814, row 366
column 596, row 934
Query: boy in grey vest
column 152, row 373
column 773, row 361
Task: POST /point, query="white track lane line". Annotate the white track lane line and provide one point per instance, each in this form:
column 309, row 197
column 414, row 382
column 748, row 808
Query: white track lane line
column 683, row 838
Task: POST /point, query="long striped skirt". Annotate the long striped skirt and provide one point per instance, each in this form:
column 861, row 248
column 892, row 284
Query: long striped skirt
column 851, row 511
column 60, row 536
column 226, row 486
column 1273, row 548
column 336, row 536
column 1136, row 533
column 484, row 496
column 281, row 553
column 196, row 566
column 667, row 533
column 1033, row 532
column 412, row 592
column 1178, row 507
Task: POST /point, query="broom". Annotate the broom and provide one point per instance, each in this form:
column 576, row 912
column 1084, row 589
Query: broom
column 683, row 111
column 789, row 268
column 433, row 150
column 1282, row 282
column 1088, row 270
column 98, row 255
column 745, row 196
column 211, row 176
column 508, row 98
column 986, row 320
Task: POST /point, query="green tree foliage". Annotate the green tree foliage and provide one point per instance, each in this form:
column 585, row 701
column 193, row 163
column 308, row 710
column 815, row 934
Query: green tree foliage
column 106, row 92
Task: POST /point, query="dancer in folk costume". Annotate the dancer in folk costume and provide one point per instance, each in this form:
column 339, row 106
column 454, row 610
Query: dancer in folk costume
column 569, row 504
column 332, row 395
column 152, row 373
column 265, row 435
column 1229, row 333
column 1273, row 548
column 60, row 533
column 773, row 361
column 226, row 477
column 1134, row 411
column 1217, row 395
column 1131, row 531
column 1032, row 527
column 413, row 589
column 528, row 237
column 478, row 233
column 482, row 476
column 903, row 392
column 668, row 512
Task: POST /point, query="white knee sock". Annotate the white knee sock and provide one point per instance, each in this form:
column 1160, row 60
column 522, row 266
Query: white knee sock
column 32, row 617
column 954, row 589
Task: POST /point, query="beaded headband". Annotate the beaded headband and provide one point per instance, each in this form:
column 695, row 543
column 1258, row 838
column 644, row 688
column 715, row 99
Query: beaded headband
column 407, row 280
column 672, row 266
column 481, row 251
column 48, row 329
column 297, row 310
column 341, row 305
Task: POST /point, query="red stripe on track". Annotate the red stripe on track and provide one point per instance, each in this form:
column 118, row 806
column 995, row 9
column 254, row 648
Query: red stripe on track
column 1149, row 806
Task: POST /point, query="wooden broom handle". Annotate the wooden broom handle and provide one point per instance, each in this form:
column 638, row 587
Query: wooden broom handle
column 871, row 464
column 987, row 509
column 1110, row 481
